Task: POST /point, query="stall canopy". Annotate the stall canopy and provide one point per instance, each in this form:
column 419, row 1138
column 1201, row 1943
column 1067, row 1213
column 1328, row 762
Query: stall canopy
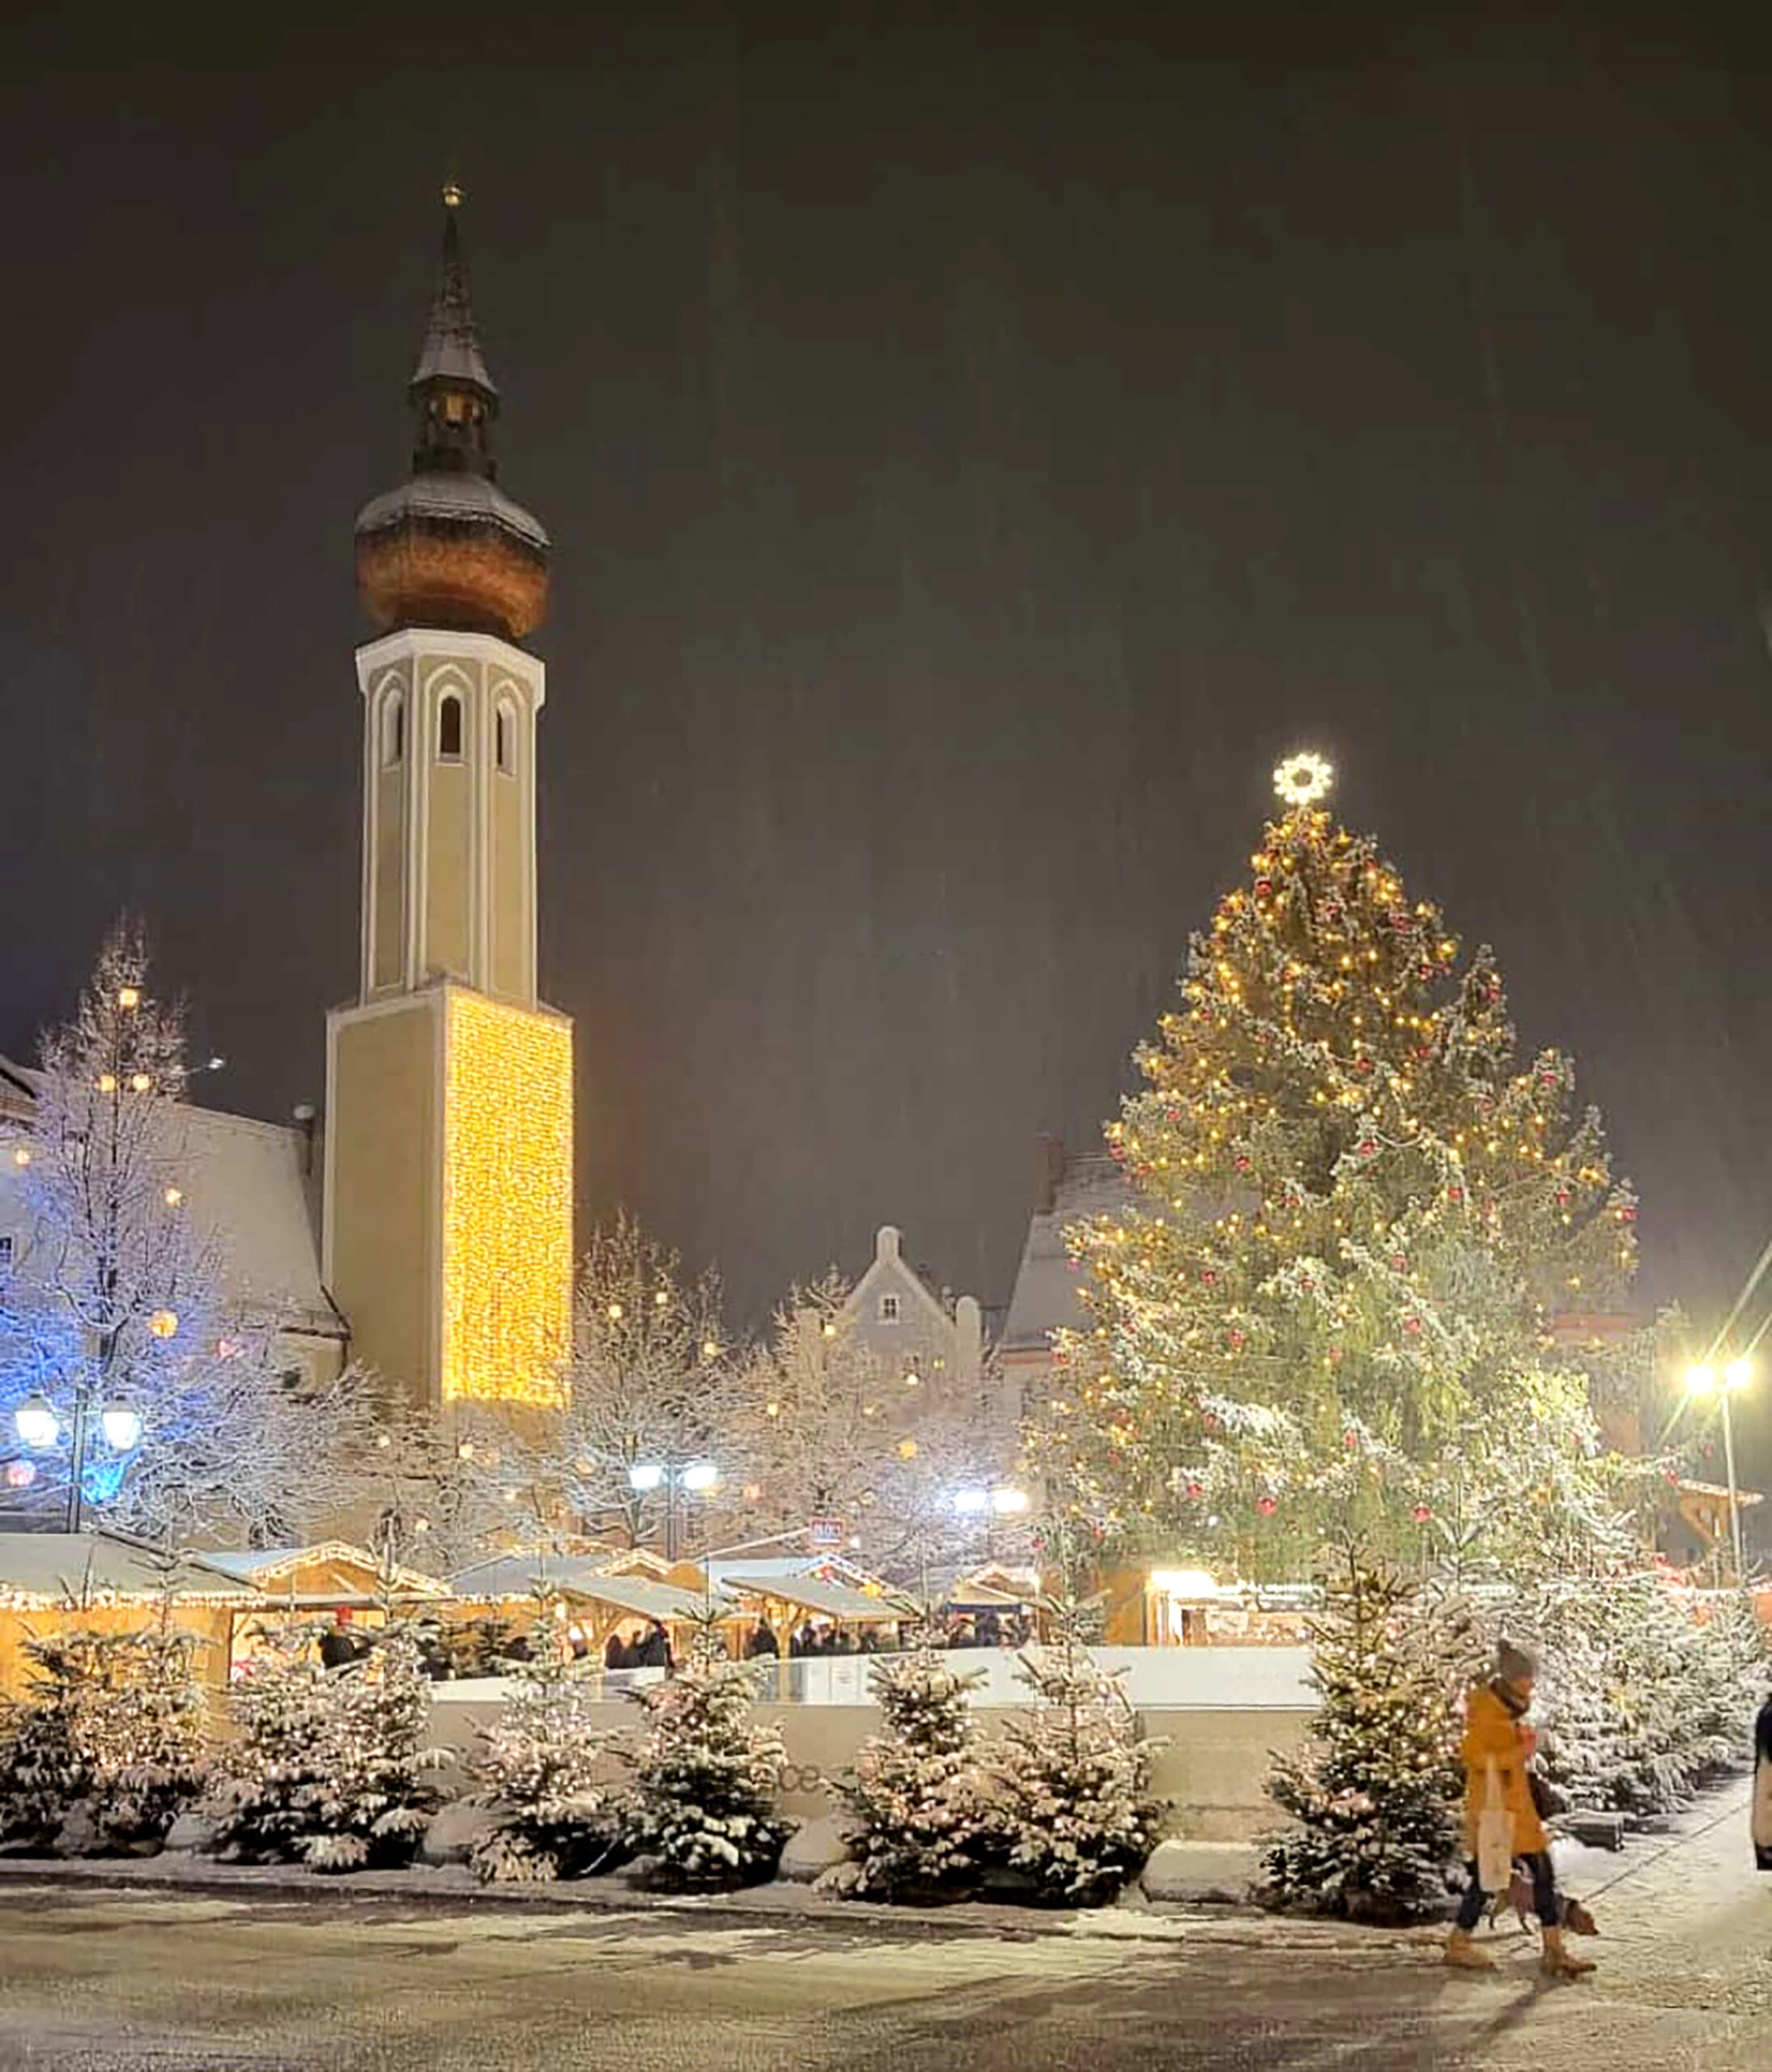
column 810, row 1594
column 59, row 1567
column 580, row 1577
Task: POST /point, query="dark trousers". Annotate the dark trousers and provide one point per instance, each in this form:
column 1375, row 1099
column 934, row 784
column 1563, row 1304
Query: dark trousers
column 1470, row 1908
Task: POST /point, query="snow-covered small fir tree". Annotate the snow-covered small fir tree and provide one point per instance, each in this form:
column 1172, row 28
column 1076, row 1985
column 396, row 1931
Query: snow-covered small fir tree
column 48, row 1760
column 541, row 1772
column 917, row 1826
column 370, row 1806
column 286, row 1712
column 151, row 1744
column 113, row 1724
column 1374, row 1791
column 1072, row 1803
column 705, row 1777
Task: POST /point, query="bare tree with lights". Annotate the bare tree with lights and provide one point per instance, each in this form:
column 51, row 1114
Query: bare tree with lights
column 121, row 1359
column 1353, row 1209
column 830, row 1428
column 651, row 1395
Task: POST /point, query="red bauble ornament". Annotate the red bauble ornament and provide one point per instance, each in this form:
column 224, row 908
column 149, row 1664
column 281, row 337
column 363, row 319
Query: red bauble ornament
column 1400, row 920
column 1368, row 1148
column 1308, row 1284
column 1412, row 1325
column 1236, row 1341
column 1243, row 1161
column 1350, row 1440
column 1264, row 886
column 1627, row 1215
column 1195, row 1490
column 1454, row 1193
column 1549, row 1076
column 1362, row 1064
column 1398, row 1263
column 1172, row 1114
column 1423, row 1513
column 1210, row 1278
column 1267, row 1507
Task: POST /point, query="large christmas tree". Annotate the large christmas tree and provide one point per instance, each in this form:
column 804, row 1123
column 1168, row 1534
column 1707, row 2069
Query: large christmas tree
column 1353, row 1208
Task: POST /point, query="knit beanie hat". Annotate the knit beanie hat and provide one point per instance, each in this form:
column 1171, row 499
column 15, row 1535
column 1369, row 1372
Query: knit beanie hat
column 1513, row 1665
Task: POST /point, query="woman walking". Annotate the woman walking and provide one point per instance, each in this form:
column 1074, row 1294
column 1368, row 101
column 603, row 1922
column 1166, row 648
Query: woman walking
column 1497, row 1745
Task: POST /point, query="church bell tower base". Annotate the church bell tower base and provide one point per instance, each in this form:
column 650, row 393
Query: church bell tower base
column 449, row 1189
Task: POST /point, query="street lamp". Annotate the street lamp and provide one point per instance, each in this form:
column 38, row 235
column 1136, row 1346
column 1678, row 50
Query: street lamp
column 696, row 1476
column 1704, row 1381
column 39, row 1428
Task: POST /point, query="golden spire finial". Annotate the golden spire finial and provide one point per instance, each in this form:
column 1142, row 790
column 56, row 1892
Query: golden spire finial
column 451, row 195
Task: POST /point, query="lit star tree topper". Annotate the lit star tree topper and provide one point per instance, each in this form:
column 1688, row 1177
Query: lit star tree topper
column 1353, row 1208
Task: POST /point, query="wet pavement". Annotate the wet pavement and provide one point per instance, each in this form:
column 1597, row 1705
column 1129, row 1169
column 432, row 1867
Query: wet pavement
column 93, row 1981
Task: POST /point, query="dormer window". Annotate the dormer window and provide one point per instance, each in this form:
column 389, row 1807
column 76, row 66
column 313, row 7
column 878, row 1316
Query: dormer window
column 449, row 730
column 889, row 1309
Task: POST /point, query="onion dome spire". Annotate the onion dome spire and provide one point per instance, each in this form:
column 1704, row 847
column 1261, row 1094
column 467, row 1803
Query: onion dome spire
column 450, row 548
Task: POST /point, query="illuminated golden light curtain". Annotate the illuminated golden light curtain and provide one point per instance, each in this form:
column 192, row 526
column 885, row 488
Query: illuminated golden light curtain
column 507, row 1203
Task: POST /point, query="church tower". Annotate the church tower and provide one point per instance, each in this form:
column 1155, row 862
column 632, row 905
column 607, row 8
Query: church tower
column 449, row 1176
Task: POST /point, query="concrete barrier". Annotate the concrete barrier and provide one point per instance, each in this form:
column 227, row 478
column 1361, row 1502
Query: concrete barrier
column 1212, row 1766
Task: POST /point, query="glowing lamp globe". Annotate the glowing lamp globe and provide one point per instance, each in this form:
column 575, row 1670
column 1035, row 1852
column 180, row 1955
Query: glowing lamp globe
column 35, row 1422
column 21, row 1474
column 122, row 1427
column 644, row 1476
column 700, row 1475
column 163, row 1323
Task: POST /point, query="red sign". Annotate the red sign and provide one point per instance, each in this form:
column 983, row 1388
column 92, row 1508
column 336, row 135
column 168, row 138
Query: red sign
column 825, row 1533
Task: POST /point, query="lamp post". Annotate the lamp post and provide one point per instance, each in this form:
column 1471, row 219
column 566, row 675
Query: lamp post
column 696, row 1476
column 1705, row 1382
column 39, row 1429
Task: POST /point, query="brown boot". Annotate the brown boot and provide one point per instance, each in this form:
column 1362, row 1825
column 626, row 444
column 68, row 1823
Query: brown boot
column 1558, row 1961
column 1464, row 1955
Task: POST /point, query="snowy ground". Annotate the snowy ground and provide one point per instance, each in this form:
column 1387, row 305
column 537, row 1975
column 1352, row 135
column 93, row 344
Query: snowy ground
column 100, row 1981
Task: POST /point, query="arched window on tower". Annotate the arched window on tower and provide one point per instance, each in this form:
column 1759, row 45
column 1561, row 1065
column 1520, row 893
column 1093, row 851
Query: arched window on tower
column 505, row 736
column 449, row 729
column 393, row 730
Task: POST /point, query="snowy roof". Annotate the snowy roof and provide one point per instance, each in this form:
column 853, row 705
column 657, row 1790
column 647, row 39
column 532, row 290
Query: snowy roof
column 263, row 1565
column 451, row 352
column 247, row 1181
column 1045, row 1296
column 52, row 1568
column 832, row 1600
column 514, row 1575
column 453, row 499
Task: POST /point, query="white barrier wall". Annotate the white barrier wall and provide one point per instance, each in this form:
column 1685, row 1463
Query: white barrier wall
column 1221, row 1714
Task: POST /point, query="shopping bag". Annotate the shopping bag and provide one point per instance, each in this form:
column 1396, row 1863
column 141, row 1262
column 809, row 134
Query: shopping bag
column 1495, row 1838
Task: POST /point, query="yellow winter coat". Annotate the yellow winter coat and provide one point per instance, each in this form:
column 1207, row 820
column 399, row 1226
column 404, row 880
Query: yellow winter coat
column 1492, row 1734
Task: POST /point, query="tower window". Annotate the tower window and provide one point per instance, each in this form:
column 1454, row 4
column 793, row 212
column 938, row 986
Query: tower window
column 889, row 1309
column 504, row 737
column 5, row 1252
column 393, row 730
column 449, row 729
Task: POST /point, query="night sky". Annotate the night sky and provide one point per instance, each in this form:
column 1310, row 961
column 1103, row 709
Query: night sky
column 976, row 449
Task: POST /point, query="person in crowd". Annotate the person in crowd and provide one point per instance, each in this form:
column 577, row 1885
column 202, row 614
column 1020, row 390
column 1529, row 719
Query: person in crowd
column 990, row 1630
column 617, row 1654
column 761, row 1641
column 654, row 1650
column 1762, row 1787
column 337, row 1645
column 1498, row 1743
